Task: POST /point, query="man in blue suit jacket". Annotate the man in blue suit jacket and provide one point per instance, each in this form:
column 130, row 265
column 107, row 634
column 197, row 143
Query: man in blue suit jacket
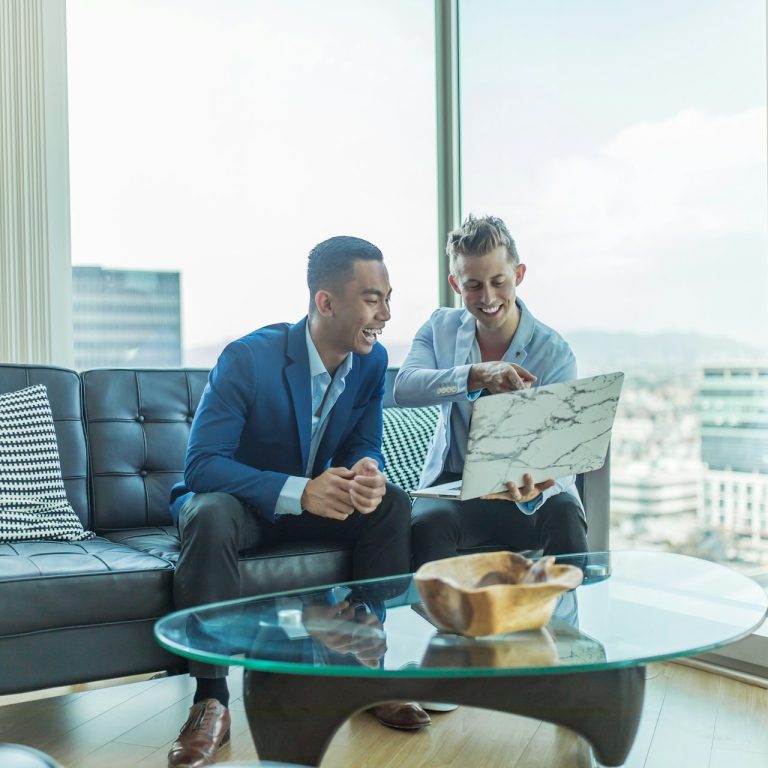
column 456, row 356
column 286, row 445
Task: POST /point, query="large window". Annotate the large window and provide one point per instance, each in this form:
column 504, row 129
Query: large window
column 625, row 145
column 214, row 142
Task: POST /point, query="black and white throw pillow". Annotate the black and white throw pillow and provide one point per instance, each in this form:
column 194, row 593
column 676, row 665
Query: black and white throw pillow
column 33, row 502
column 407, row 434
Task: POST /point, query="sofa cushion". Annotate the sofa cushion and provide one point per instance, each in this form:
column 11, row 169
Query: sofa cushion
column 294, row 565
column 49, row 585
column 407, row 434
column 33, row 502
column 157, row 540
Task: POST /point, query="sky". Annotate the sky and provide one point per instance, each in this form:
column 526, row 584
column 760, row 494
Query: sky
column 623, row 143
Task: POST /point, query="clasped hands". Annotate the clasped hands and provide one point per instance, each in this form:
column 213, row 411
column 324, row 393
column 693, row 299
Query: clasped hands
column 495, row 377
column 339, row 491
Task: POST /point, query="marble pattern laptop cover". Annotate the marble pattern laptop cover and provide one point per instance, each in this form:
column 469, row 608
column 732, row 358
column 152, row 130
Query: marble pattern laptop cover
column 549, row 431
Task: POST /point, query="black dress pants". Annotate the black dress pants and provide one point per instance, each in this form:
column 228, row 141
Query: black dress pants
column 441, row 527
column 216, row 527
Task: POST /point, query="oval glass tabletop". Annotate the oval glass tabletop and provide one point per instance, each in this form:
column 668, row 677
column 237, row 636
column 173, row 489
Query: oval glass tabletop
column 633, row 608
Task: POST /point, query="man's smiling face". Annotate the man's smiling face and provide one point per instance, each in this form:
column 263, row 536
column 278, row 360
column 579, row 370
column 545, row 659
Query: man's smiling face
column 361, row 307
column 488, row 286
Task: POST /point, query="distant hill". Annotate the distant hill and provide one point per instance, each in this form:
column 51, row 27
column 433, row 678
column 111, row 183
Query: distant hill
column 654, row 353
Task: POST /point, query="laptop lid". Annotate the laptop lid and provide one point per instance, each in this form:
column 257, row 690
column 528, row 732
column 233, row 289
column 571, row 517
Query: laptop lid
column 550, row 431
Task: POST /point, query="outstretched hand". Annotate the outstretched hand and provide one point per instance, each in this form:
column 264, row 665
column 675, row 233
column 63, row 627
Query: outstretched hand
column 498, row 376
column 525, row 492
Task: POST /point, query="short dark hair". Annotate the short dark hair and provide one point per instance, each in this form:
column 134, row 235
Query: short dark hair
column 331, row 263
column 478, row 236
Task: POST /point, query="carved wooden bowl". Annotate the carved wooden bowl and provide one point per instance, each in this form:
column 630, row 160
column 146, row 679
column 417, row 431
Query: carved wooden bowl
column 493, row 592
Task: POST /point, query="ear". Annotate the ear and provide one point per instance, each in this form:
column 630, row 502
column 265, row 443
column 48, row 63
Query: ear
column 519, row 274
column 454, row 284
column 324, row 303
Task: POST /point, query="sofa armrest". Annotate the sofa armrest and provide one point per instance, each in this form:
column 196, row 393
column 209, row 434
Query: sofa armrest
column 595, row 490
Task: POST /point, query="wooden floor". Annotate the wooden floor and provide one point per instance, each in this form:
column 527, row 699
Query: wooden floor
column 692, row 719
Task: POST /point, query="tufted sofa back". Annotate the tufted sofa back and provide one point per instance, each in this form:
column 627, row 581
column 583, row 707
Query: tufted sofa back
column 138, row 425
column 63, row 386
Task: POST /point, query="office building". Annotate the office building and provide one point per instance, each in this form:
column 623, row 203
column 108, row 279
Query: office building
column 126, row 317
column 655, row 503
column 732, row 404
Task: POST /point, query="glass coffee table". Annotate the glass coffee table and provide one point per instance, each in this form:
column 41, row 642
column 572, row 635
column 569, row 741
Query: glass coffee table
column 313, row 658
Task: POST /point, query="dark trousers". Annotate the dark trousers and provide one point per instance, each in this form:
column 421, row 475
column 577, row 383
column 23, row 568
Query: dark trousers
column 441, row 527
column 216, row 527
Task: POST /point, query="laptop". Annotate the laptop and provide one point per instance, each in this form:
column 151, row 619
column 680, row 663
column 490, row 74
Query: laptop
column 550, row 431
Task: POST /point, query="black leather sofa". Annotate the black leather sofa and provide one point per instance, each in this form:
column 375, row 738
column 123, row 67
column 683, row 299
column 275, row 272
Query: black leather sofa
column 79, row 611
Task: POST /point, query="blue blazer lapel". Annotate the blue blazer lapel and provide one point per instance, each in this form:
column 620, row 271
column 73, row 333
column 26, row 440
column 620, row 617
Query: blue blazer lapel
column 299, row 383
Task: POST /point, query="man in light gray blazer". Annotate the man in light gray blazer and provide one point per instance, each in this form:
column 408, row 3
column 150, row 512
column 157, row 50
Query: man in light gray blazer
column 492, row 345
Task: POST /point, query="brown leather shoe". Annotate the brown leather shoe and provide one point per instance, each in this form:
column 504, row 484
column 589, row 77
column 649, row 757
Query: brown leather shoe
column 404, row 715
column 206, row 729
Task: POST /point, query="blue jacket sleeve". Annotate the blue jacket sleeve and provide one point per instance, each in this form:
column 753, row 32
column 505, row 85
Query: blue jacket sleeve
column 216, row 432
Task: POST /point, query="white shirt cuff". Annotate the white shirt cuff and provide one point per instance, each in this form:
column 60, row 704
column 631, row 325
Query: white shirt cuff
column 289, row 500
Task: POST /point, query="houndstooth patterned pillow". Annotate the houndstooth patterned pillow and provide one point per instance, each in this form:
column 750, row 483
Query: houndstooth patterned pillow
column 33, row 502
column 407, row 434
